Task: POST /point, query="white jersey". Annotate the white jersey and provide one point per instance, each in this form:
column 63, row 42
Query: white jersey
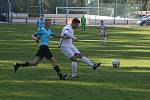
column 68, row 31
column 102, row 26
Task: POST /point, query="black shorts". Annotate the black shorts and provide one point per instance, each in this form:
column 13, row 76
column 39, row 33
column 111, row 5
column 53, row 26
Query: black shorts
column 44, row 52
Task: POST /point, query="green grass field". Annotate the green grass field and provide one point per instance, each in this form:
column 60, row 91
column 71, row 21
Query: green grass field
column 130, row 82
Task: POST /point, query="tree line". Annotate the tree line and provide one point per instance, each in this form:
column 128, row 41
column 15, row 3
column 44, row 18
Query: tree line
column 50, row 5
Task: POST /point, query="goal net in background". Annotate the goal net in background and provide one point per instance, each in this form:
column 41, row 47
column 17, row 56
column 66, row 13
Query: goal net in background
column 35, row 11
column 110, row 13
column 93, row 14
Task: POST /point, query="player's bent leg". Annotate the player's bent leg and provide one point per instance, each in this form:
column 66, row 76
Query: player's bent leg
column 74, row 65
column 27, row 63
column 53, row 61
column 87, row 61
column 57, row 69
column 78, row 55
column 67, row 51
column 36, row 61
column 84, row 59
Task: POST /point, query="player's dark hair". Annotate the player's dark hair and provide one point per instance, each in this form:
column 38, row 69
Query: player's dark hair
column 76, row 20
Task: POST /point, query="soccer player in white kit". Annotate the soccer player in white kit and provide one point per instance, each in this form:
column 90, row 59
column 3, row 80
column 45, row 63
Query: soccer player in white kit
column 69, row 50
column 102, row 28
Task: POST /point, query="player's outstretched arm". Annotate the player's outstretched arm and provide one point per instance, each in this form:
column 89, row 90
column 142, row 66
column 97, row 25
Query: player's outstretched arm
column 36, row 36
column 74, row 38
column 58, row 36
column 64, row 37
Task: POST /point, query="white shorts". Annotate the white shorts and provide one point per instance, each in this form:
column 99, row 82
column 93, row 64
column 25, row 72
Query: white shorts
column 69, row 51
column 102, row 33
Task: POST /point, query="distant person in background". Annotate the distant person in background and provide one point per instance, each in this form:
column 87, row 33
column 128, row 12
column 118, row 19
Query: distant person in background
column 103, row 32
column 40, row 22
column 83, row 23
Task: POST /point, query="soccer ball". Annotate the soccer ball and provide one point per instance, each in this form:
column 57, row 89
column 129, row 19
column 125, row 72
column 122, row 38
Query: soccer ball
column 116, row 63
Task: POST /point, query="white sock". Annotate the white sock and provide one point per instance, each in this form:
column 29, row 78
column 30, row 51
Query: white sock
column 87, row 61
column 74, row 68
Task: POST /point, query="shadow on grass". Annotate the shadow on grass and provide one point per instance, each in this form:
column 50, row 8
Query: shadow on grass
column 41, row 83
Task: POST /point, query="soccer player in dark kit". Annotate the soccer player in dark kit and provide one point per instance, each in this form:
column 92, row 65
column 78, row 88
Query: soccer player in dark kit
column 42, row 37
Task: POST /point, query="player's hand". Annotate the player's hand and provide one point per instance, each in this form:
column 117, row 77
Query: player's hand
column 36, row 40
column 66, row 37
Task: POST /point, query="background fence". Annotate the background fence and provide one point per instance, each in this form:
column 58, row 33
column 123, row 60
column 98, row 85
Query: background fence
column 62, row 11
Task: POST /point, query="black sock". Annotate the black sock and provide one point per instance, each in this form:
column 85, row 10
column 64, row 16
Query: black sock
column 25, row 64
column 56, row 68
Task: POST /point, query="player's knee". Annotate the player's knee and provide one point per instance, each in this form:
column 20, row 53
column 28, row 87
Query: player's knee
column 79, row 55
column 74, row 59
column 53, row 61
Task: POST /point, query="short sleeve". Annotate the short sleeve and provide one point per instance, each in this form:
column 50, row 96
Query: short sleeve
column 39, row 32
column 51, row 33
column 68, row 33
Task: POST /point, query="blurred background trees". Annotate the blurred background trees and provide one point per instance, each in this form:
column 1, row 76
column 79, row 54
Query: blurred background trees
column 50, row 5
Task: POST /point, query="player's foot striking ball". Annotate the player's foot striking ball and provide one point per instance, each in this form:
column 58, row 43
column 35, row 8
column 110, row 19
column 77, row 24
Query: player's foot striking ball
column 96, row 66
column 42, row 37
column 69, row 50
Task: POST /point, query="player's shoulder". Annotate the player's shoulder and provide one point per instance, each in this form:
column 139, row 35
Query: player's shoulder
column 41, row 29
column 51, row 30
column 67, row 27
